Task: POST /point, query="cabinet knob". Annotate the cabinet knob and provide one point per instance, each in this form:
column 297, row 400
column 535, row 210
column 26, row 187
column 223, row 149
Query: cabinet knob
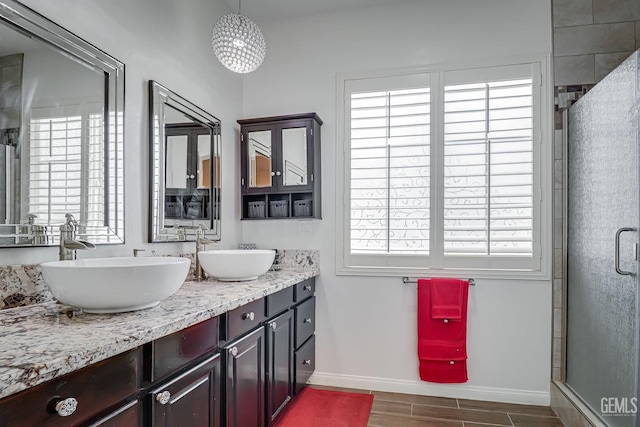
column 307, row 320
column 249, row 316
column 233, row 351
column 66, row 407
column 307, row 362
column 273, row 325
column 273, row 174
column 278, row 173
column 306, row 288
column 163, row 397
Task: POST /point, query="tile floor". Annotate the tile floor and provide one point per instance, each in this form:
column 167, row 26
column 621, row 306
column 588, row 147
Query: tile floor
column 406, row 410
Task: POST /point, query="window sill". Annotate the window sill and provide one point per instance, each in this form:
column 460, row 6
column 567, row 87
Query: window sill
column 493, row 274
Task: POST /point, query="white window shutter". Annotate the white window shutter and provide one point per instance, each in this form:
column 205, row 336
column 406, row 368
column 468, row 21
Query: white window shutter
column 390, row 171
column 488, row 168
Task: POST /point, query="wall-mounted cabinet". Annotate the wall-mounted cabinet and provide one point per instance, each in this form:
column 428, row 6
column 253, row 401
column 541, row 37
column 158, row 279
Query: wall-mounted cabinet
column 281, row 167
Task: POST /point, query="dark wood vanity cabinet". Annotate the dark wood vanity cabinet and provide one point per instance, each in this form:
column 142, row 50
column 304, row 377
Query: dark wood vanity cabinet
column 240, row 369
column 280, row 381
column 244, row 380
column 262, row 375
column 182, row 377
column 281, row 167
column 90, row 396
column 191, row 398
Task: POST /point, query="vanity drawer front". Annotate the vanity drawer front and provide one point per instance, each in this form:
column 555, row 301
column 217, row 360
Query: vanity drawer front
column 305, row 362
column 304, row 289
column 279, row 302
column 305, row 321
column 174, row 351
column 95, row 388
column 245, row 318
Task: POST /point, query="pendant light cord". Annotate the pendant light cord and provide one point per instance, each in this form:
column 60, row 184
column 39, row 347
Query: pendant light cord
column 239, row 7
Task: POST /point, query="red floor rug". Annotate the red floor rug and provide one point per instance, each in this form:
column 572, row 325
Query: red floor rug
column 326, row 408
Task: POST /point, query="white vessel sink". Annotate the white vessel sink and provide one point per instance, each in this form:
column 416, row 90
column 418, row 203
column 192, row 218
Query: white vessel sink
column 115, row 285
column 236, row 265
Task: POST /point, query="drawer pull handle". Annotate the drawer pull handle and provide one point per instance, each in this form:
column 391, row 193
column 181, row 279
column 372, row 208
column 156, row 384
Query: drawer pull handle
column 307, row 320
column 66, row 407
column 249, row 316
column 307, row 362
column 163, row 397
column 306, row 288
column 273, row 325
column 234, row 351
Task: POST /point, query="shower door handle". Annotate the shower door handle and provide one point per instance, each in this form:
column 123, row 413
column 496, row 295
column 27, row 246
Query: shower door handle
column 617, row 251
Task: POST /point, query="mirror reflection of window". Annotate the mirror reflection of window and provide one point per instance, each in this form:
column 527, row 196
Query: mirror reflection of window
column 61, row 144
column 260, row 159
column 294, row 156
column 57, row 155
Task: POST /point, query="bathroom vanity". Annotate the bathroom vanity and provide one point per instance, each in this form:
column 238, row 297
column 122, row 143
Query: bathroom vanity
column 213, row 354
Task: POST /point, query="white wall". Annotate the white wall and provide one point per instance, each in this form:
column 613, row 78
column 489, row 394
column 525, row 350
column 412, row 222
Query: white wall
column 167, row 41
column 366, row 326
column 366, row 333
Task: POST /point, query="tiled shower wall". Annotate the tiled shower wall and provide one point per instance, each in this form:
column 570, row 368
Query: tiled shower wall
column 591, row 38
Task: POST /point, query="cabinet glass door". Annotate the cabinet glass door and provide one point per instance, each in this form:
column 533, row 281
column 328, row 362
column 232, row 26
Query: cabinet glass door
column 260, row 157
column 177, row 153
column 204, row 161
column 294, row 156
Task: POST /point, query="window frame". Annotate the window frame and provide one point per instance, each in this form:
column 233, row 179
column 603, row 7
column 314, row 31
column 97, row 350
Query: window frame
column 436, row 264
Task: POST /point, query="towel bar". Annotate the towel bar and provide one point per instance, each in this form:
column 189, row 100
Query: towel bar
column 406, row 279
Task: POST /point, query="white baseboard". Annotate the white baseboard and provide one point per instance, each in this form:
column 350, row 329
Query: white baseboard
column 457, row 391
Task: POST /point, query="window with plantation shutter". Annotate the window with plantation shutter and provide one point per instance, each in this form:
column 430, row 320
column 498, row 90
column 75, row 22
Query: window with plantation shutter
column 442, row 170
column 390, row 171
column 488, row 168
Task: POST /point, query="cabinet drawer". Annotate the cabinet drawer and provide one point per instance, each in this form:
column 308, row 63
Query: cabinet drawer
column 95, row 388
column 304, row 290
column 305, row 363
column 244, row 318
column 174, row 351
column 129, row 415
column 279, row 302
column 305, row 321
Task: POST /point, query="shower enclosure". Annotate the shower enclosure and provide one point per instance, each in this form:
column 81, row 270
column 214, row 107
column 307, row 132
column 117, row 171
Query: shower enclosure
column 602, row 247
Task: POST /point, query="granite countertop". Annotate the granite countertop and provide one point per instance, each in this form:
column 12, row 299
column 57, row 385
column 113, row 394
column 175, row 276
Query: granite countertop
column 44, row 341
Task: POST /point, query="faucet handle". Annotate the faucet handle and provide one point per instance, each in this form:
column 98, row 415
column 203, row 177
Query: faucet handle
column 30, row 217
column 70, row 220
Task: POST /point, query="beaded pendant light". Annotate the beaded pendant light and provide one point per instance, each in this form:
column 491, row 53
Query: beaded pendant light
column 238, row 42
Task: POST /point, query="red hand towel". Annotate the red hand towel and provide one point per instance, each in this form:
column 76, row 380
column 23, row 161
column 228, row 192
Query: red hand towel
column 442, row 345
column 446, row 298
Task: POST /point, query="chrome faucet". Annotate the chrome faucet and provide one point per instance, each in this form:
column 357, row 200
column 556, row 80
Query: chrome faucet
column 200, row 244
column 68, row 242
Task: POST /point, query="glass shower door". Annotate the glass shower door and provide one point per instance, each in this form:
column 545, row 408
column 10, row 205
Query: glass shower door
column 602, row 282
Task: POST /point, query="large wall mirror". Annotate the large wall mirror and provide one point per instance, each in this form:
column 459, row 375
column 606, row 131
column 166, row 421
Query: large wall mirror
column 61, row 133
column 185, row 168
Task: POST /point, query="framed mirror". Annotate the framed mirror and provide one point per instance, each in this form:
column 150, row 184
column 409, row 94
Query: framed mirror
column 185, row 146
column 61, row 133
